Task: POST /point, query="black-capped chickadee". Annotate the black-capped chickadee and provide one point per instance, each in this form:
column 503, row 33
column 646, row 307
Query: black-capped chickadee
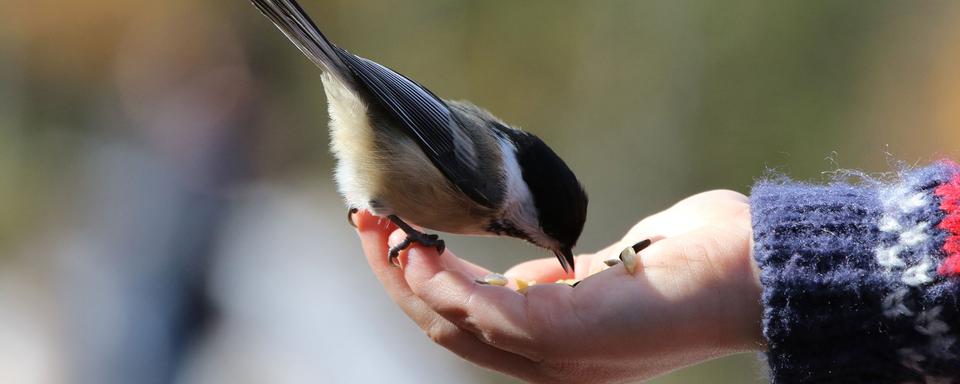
column 402, row 152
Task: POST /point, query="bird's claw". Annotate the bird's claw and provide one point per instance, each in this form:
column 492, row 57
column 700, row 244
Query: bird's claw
column 426, row 240
column 350, row 213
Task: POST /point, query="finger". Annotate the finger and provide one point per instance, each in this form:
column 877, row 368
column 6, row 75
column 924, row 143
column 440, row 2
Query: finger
column 496, row 315
column 546, row 270
column 661, row 225
column 713, row 197
column 469, row 347
column 374, row 234
column 447, row 260
column 549, row 270
column 687, row 215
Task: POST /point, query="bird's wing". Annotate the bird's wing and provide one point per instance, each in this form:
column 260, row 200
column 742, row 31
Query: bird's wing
column 422, row 116
column 427, row 120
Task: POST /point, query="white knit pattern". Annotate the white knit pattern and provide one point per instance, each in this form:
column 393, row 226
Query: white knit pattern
column 898, row 202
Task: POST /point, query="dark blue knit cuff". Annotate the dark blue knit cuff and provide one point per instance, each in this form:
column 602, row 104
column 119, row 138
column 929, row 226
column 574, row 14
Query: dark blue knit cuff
column 851, row 289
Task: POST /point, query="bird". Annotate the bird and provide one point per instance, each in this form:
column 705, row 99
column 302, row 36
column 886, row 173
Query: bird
column 407, row 155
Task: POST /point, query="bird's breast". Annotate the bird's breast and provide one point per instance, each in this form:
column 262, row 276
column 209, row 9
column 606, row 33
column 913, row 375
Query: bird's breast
column 381, row 170
column 352, row 142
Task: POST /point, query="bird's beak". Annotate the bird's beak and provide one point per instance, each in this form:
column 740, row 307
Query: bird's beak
column 565, row 255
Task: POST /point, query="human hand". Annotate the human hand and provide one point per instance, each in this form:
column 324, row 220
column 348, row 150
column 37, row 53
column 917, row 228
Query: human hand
column 695, row 296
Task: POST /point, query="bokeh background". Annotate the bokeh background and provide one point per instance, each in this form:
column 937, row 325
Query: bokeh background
column 167, row 212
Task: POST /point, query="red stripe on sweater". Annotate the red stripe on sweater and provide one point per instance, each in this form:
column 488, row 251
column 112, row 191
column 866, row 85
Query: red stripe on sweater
column 949, row 194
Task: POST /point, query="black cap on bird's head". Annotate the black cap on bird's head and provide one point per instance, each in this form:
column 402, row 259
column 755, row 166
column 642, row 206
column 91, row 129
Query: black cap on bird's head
column 560, row 199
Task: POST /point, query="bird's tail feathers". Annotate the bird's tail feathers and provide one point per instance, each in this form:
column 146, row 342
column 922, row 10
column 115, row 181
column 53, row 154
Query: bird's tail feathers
column 290, row 18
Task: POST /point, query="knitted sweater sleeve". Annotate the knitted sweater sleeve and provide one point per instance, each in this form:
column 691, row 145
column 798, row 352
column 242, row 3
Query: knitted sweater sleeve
column 861, row 283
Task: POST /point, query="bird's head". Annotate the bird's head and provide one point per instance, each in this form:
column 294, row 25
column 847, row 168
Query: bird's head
column 558, row 198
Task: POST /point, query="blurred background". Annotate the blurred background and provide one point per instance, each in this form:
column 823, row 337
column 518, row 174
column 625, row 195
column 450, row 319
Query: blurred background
column 167, row 212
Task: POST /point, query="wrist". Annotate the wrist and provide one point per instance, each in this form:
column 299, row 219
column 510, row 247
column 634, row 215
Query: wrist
column 745, row 312
column 744, row 309
column 752, row 323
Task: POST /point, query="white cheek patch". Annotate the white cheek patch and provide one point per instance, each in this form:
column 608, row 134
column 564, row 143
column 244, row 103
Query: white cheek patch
column 519, row 207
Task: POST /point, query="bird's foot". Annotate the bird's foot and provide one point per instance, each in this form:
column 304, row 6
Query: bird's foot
column 413, row 236
column 424, row 239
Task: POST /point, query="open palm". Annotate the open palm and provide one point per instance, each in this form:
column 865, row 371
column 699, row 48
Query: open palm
column 695, row 296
